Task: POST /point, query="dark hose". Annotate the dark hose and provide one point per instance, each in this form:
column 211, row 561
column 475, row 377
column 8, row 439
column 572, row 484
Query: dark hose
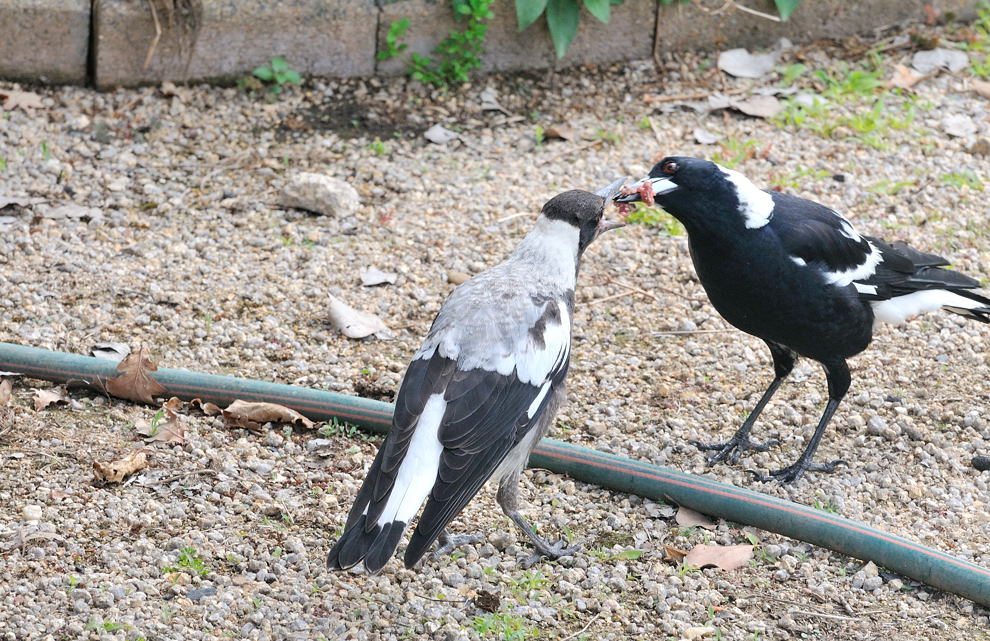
column 614, row 472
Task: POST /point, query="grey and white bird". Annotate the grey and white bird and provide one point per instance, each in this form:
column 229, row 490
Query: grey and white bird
column 479, row 394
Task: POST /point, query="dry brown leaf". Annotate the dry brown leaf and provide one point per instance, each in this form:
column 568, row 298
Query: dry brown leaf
column 251, row 415
column 182, row 93
column 173, row 404
column 5, row 387
column 905, row 77
column 165, row 427
column 670, row 553
column 689, row 518
column 208, row 408
column 982, row 87
column 23, row 99
column 562, row 131
column 45, row 397
column 727, row 557
column 134, row 384
column 116, row 471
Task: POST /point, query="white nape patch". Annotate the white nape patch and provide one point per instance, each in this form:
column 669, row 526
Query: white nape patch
column 863, row 288
column 535, row 405
column 800, row 261
column 418, row 471
column 536, row 363
column 866, row 269
column 847, row 229
column 900, row 308
column 554, row 245
column 755, row 205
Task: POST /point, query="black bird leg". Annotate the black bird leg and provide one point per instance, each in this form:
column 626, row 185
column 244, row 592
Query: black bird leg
column 837, row 375
column 508, row 500
column 729, row 451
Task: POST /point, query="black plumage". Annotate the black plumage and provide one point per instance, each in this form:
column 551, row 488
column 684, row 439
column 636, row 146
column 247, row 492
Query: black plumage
column 799, row 276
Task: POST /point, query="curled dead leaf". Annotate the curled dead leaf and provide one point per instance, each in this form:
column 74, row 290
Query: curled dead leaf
column 905, row 77
column 689, row 518
column 353, row 323
column 164, row 426
column 46, row 397
column 675, row 555
column 5, row 387
column 25, row 100
column 561, row 131
column 208, row 408
column 252, row 416
column 727, row 557
column 116, row 471
column 134, row 383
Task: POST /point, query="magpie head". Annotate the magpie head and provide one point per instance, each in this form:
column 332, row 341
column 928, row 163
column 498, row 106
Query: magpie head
column 692, row 188
column 585, row 211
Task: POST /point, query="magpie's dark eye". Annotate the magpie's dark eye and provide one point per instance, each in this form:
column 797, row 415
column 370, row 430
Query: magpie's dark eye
column 670, row 167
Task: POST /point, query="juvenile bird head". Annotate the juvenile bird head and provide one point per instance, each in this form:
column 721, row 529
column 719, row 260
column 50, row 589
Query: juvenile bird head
column 701, row 193
column 585, row 211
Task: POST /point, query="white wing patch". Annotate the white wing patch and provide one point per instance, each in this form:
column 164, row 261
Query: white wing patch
column 898, row 309
column 860, row 272
column 418, row 471
column 755, row 205
column 536, row 362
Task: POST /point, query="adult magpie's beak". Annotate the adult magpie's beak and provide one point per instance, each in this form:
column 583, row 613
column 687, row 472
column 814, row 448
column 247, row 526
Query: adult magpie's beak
column 609, row 192
column 660, row 185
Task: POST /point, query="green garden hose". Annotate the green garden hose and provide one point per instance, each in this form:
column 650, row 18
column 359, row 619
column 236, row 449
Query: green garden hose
column 699, row 493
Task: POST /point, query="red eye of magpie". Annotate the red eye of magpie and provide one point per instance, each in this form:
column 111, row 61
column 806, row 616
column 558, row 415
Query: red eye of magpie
column 670, row 167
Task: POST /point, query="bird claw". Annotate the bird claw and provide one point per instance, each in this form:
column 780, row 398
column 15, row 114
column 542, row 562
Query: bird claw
column 730, row 451
column 552, row 552
column 795, row 471
column 450, row 543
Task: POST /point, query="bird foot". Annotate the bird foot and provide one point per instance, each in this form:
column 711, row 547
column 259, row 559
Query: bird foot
column 729, row 451
column 795, row 471
column 552, row 552
column 450, row 543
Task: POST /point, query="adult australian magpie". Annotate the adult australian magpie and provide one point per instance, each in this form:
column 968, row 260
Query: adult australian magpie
column 479, row 394
column 799, row 276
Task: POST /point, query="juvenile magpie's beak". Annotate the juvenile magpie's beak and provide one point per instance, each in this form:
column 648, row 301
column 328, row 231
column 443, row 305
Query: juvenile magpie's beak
column 609, row 192
column 661, row 185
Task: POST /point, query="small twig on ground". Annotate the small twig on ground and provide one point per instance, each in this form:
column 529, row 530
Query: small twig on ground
column 154, row 41
column 822, row 615
column 135, row 100
column 612, row 297
column 656, row 131
column 572, row 150
column 656, row 38
column 511, row 216
column 581, row 631
column 691, row 96
column 687, row 332
column 429, row 598
column 754, row 12
column 634, row 288
column 183, row 475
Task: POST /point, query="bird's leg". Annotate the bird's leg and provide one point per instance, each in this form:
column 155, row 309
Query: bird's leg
column 729, row 451
column 837, row 374
column 448, row 543
column 508, row 500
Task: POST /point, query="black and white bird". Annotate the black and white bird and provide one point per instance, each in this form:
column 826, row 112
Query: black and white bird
column 799, row 276
column 479, row 394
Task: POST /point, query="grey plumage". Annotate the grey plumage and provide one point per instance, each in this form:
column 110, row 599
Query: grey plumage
column 479, row 394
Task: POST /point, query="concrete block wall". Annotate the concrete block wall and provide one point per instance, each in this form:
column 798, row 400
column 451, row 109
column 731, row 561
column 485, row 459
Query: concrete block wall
column 112, row 43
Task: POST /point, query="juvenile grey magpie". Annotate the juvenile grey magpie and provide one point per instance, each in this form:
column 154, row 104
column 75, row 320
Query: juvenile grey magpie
column 479, row 394
column 799, row 276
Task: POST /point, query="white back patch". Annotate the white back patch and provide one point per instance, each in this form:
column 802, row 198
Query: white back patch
column 900, row 308
column 755, row 205
column 860, row 272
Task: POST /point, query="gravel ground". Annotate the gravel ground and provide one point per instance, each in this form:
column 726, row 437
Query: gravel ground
column 186, row 252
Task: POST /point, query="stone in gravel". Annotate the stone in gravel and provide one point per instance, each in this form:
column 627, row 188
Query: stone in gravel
column 319, row 194
column 698, row 632
column 982, row 463
column 197, row 594
column 872, row 583
column 934, row 59
column 374, row 276
column 980, row 148
column 32, row 513
column 455, row 277
column 876, row 426
column 959, row 125
column 440, row 135
column 743, row 64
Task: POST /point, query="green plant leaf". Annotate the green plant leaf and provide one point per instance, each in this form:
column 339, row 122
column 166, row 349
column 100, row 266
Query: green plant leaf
column 279, row 64
column 562, row 18
column 527, row 11
column 598, row 8
column 264, row 73
column 786, row 7
column 292, row 76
